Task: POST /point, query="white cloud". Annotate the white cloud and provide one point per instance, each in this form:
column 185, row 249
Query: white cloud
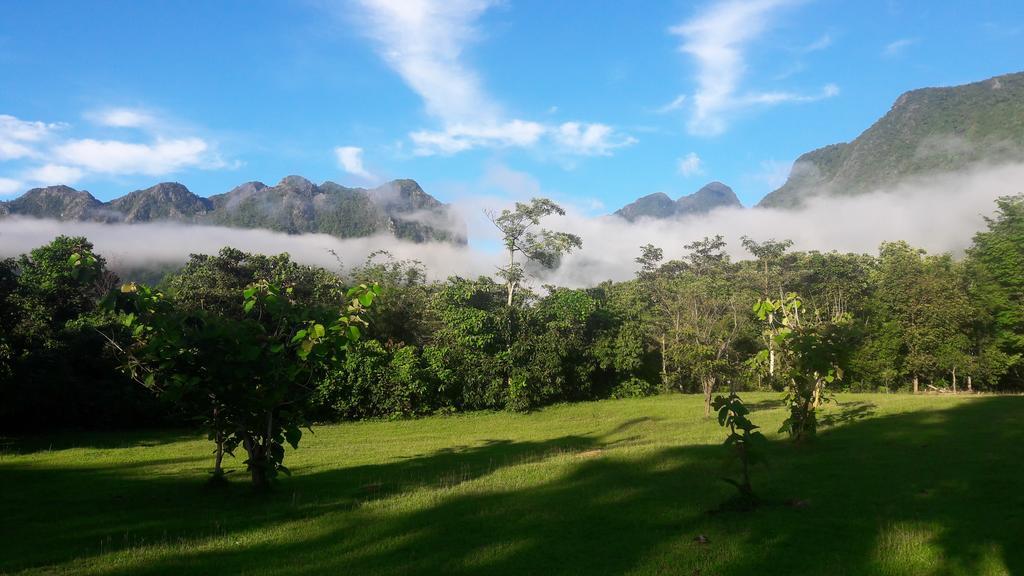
column 9, row 186
column 772, row 174
column 517, row 184
column 52, row 174
column 118, row 157
column 124, row 118
column 823, row 42
column 690, row 165
column 574, row 138
column 350, row 159
column 939, row 213
column 717, row 40
column 590, row 139
column 897, row 47
column 18, row 138
column 828, row 91
column 424, row 41
column 170, row 243
column 461, row 137
column 675, row 104
column 43, row 156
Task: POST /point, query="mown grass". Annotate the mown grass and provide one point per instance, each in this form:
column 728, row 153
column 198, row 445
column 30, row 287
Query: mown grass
column 897, row 485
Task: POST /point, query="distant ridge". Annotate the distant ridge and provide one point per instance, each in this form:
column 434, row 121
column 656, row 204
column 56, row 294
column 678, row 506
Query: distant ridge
column 295, row 206
column 659, row 205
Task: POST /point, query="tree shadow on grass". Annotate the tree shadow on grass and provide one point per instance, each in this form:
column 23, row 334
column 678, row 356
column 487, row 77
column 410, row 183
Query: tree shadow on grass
column 848, row 412
column 52, row 441
column 61, row 513
column 766, row 405
column 873, row 490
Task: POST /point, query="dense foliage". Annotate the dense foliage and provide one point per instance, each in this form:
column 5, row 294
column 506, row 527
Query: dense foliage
column 899, row 320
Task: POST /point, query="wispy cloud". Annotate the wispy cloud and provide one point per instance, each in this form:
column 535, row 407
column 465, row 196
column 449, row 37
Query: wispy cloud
column 823, row 42
column 424, row 42
column 54, row 174
column 350, row 159
column 771, row 175
column 466, row 136
column 690, row 165
column 828, row 91
column 717, row 39
column 672, row 106
column 9, row 186
column 119, row 157
column 19, row 138
column 124, row 117
column 590, row 139
column 42, row 153
column 898, row 47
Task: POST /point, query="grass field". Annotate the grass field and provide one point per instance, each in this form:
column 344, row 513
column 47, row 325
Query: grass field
column 897, row 485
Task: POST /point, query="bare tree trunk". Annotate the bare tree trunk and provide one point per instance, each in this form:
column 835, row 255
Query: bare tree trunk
column 218, row 468
column 915, row 383
column 511, row 281
column 664, row 362
column 708, row 383
column 218, row 439
column 771, row 357
column 969, row 389
column 954, row 379
column 257, row 471
column 818, row 385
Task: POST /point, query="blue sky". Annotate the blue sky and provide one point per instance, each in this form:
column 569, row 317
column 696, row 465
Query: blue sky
column 594, row 103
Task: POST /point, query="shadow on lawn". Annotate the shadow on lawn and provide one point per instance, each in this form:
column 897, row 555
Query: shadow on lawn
column 952, row 474
column 57, row 440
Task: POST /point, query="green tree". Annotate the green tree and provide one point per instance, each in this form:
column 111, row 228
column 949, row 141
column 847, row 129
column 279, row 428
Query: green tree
column 525, row 242
column 921, row 303
column 996, row 269
column 247, row 380
column 709, row 317
column 745, row 441
column 769, row 256
column 814, row 351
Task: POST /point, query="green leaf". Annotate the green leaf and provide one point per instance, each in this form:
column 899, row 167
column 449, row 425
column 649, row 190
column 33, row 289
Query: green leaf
column 293, row 435
column 249, row 305
column 319, row 331
column 353, row 332
column 366, row 298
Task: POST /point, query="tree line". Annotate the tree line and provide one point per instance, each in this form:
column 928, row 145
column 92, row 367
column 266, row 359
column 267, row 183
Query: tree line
column 78, row 349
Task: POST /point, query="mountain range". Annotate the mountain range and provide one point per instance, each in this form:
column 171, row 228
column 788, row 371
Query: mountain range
column 659, row 205
column 295, row 206
column 926, row 131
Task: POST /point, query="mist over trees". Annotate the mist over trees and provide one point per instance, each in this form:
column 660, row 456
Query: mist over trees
column 900, row 320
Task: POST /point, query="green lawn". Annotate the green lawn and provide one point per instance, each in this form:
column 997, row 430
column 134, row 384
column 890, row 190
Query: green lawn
column 899, row 485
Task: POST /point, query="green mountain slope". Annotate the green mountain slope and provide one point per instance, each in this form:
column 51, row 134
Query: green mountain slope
column 926, row 131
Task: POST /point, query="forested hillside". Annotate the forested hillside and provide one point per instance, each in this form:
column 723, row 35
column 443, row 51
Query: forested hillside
column 927, row 131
